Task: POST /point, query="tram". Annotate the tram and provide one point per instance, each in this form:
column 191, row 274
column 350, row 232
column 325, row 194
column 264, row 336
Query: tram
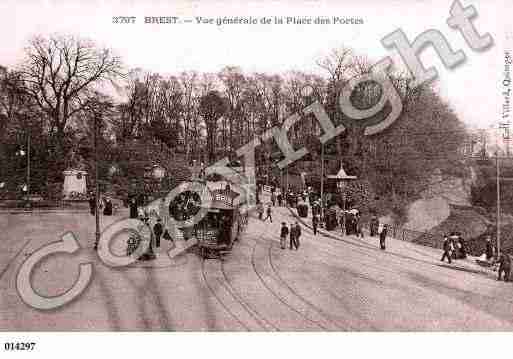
column 222, row 224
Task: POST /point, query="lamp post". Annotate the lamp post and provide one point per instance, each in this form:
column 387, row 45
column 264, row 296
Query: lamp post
column 322, row 181
column 28, row 170
column 26, row 187
column 498, row 223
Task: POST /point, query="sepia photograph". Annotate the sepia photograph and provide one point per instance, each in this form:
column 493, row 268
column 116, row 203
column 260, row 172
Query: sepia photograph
column 272, row 166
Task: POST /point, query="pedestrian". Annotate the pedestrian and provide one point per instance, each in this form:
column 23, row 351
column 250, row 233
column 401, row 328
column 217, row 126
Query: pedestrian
column 463, row 248
column 140, row 213
column 107, row 211
column 292, row 241
column 167, row 236
column 315, row 223
column 273, row 199
column 504, row 266
column 158, row 230
column 269, row 213
column 349, row 224
column 460, row 250
column 92, row 203
column 260, row 210
column 374, row 224
column 283, row 235
column 162, row 208
column 359, row 229
column 297, row 236
column 489, row 248
column 383, row 236
column 447, row 247
column 133, row 208
column 279, row 197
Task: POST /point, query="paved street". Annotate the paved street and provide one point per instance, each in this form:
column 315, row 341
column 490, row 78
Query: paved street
column 327, row 285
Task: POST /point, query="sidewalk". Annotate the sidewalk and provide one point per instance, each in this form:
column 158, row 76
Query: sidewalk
column 400, row 248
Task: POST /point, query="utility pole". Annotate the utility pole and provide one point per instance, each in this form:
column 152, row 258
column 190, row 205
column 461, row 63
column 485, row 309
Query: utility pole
column 97, row 184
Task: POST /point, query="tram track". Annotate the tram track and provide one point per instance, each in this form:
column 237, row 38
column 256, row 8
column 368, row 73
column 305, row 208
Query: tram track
column 218, row 299
column 250, row 309
column 232, row 302
column 286, row 301
column 306, row 301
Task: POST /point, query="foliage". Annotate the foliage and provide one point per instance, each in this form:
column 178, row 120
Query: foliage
column 172, row 120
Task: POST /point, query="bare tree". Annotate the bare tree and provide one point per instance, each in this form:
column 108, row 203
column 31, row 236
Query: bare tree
column 60, row 73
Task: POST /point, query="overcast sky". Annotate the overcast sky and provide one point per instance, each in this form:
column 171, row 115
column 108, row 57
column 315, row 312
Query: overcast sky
column 473, row 89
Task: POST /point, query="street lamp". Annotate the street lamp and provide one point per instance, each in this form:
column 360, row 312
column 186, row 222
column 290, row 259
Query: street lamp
column 322, row 180
column 21, row 152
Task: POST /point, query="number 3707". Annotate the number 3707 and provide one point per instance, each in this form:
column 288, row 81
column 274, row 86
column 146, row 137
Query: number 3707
column 19, row 346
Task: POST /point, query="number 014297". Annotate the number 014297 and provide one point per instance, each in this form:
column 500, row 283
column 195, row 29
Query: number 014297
column 12, row 346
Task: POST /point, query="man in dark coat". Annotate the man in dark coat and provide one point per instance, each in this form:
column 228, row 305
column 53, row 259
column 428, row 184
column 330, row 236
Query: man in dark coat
column 383, row 236
column 374, row 224
column 133, row 208
column 158, row 230
column 107, row 211
column 315, row 223
column 283, row 235
column 279, row 197
column 297, row 235
column 504, row 266
column 447, row 247
column 489, row 248
column 293, row 236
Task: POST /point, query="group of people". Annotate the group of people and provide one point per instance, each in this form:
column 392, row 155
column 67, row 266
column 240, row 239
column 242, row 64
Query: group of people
column 268, row 212
column 276, row 198
column 294, row 233
column 454, row 247
column 106, row 205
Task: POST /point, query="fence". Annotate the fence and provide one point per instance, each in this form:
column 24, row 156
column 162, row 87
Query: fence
column 418, row 237
column 44, row 204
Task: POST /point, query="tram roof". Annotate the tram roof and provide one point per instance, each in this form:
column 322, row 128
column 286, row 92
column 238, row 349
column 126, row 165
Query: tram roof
column 218, row 205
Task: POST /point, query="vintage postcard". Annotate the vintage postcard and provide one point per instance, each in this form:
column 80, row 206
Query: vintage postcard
column 265, row 166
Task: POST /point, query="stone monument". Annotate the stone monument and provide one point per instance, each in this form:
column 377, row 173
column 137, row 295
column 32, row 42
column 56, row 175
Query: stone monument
column 75, row 178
